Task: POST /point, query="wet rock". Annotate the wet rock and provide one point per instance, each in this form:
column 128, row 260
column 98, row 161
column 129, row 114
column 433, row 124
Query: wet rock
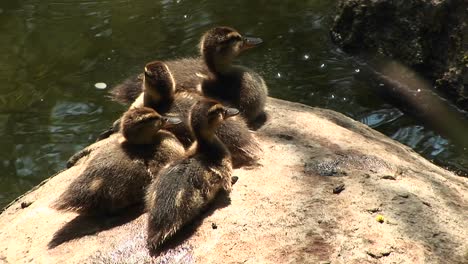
column 429, row 36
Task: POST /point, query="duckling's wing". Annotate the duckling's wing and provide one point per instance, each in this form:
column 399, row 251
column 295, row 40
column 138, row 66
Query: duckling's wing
column 187, row 72
column 110, row 181
column 174, row 198
column 244, row 147
column 126, row 92
column 110, row 131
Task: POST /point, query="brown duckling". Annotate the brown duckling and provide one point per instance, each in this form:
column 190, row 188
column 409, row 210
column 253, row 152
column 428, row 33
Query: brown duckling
column 117, row 173
column 188, row 72
column 234, row 85
column 184, row 189
column 159, row 93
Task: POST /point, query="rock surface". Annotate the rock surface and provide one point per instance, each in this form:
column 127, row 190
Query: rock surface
column 431, row 36
column 324, row 182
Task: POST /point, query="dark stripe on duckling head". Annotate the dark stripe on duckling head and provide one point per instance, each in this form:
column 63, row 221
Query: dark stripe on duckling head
column 217, row 35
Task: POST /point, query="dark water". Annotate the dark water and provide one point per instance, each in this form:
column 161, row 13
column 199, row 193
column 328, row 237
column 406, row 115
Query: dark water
column 53, row 52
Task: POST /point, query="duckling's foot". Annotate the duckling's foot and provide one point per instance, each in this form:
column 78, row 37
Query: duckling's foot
column 259, row 121
column 234, row 179
column 105, row 134
column 110, row 131
column 77, row 156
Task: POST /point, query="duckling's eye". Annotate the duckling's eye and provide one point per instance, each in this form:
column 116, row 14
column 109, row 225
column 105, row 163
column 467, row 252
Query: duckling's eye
column 148, row 120
column 231, row 40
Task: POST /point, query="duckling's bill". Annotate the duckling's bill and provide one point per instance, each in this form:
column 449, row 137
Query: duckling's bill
column 169, row 121
column 250, row 42
column 231, row 112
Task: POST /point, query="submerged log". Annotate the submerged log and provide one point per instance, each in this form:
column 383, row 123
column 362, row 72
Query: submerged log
column 329, row 189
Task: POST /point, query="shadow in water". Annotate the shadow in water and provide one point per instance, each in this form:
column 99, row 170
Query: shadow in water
column 84, row 225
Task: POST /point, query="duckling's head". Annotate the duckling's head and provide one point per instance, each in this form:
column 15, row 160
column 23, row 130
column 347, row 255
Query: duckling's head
column 207, row 114
column 220, row 45
column 159, row 84
column 140, row 125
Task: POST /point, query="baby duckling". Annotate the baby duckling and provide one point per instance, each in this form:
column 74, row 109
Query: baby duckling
column 117, row 174
column 159, row 93
column 235, row 85
column 188, row 72
column 183, row 190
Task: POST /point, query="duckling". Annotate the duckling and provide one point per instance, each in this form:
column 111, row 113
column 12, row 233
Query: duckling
column 219, row 79
column 185, row 188
column 188, row 72
column 159, row 93
column 116, row 174
column 235, row 85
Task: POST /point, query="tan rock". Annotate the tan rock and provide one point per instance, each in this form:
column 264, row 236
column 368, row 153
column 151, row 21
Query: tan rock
column 284, row 211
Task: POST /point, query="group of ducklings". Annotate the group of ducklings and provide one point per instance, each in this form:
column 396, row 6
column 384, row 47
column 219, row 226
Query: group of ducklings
column 189, row 124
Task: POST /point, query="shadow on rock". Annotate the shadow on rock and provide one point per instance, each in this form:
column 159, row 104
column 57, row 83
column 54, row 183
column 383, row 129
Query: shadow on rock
column 84, row 225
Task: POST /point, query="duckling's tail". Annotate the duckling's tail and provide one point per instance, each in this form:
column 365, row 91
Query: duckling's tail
column 171, row 202
column 126, row 92
column 72, row 200
column 90, row 196
column 244, row 148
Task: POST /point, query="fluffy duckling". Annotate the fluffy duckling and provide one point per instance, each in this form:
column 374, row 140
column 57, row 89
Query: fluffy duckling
column 159, row 93
column 188, row 72
column 235, row 85
column 185, row 188
column 117, row 173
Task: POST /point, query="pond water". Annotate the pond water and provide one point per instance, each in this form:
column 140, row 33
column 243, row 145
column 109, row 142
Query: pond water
column 54, row 52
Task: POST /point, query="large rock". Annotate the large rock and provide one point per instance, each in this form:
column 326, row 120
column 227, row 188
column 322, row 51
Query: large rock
column 284, row 211
column 431, row 36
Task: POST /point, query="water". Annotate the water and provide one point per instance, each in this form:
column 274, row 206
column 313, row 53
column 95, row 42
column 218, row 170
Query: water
column 54, row 52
